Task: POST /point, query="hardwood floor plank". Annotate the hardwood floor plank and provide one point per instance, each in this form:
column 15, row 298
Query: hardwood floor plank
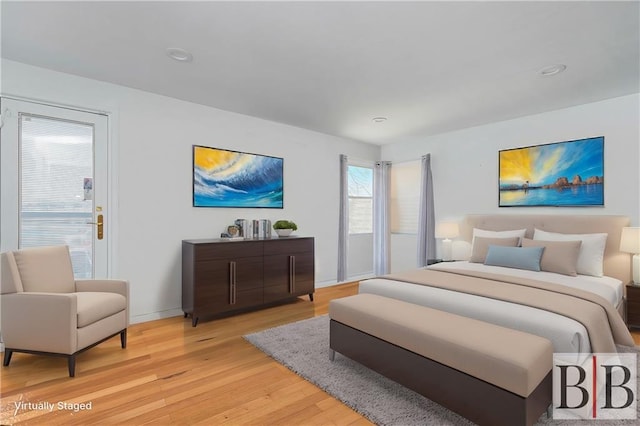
column 330, row 414
column 259, row 407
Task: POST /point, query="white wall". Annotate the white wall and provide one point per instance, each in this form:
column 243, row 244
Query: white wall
column 152, row 137
column 465, row 162
column 360, row 256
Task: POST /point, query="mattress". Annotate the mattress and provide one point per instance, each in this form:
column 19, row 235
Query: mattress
column 566, row 335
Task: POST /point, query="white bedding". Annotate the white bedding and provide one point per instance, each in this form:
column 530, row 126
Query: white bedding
column 566, row 335
column 610, row 289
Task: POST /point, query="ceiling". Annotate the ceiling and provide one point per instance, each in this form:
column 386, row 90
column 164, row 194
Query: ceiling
column 428, row 67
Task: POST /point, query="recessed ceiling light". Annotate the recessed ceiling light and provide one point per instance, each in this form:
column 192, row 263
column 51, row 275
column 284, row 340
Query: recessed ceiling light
column 552, row 70
column 178, row 54
column 379, row 119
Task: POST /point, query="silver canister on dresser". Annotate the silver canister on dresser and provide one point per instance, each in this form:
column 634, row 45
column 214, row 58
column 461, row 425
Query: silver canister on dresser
column 245, row 227
column 261, row 229
column 267, row 228
column 256, row 229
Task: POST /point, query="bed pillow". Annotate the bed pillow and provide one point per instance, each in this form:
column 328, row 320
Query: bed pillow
column 591, row 253
column 560, row 257
column 498, row 234
column 515, row 257
column 481, row 246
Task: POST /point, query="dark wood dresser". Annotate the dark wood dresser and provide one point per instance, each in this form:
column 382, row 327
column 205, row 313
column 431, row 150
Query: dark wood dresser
column 223, row 277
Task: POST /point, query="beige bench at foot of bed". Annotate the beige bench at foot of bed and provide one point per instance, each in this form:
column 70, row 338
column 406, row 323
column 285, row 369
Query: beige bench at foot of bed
column 489, row 374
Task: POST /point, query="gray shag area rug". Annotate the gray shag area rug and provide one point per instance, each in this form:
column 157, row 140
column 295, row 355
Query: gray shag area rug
column 303, row 347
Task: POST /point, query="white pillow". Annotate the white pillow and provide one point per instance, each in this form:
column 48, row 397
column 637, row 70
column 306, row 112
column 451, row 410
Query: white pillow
column 591, row 253
column 499, row 234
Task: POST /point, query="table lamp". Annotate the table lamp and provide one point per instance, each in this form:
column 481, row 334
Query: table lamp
column 630, row 243
column 447, row 230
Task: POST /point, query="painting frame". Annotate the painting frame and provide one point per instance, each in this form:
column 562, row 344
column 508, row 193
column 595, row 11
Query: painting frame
column 226, row 178
column 558, row 174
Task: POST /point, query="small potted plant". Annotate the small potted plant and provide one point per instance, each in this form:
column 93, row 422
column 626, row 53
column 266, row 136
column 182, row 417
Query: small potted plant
column 284, row 227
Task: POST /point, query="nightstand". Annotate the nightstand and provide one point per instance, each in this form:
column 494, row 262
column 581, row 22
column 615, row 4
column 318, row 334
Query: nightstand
column 633, row 305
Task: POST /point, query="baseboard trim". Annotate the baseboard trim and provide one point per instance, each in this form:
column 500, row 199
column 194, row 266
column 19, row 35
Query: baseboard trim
column 350, row 279
column 156, row 316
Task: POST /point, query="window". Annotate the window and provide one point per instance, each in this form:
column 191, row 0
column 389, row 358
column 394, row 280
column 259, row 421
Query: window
column 360, row 182
column 405, row 197
column 56, row 168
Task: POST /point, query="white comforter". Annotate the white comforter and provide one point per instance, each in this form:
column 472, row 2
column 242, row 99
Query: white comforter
column 566, row 335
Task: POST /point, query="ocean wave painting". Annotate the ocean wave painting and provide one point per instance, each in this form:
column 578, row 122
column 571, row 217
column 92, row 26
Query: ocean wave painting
column 558, row 174
column 223, row 178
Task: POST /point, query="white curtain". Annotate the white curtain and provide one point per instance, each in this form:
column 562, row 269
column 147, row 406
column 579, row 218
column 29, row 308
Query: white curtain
column 343, row 222
column 381, row 217
column 426, row 218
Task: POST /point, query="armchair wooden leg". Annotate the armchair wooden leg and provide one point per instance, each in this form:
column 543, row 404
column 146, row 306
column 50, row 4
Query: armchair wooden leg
column 123, row 338
column 72, row 365
column 7, row 356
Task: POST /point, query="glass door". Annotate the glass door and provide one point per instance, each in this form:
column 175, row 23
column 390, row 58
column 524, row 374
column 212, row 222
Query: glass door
column 53, row 182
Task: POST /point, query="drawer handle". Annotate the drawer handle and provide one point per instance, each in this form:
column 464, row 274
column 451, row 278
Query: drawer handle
column 292, row 274
column 232, row 283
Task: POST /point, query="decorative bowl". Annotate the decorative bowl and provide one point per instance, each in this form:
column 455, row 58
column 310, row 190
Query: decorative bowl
column 284, row 232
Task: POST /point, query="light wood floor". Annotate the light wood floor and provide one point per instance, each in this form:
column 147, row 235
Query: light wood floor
column 172, row 373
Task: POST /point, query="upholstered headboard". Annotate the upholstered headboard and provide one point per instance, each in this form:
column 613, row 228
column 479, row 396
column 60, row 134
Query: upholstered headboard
column 616, row 263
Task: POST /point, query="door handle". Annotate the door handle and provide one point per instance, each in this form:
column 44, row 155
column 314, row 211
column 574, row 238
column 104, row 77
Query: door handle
column 100, row 224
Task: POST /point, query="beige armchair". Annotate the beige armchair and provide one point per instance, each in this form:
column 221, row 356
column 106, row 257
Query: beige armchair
column 46, row 311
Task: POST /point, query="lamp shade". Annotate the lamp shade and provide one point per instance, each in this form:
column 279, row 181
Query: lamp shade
column 630, row 240
column 447, row 230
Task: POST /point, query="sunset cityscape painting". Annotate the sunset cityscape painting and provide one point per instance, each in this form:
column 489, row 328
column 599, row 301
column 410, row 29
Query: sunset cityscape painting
column 567, row 173
column 224, row 178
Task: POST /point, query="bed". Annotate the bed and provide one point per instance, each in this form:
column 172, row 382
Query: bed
column 595, row 304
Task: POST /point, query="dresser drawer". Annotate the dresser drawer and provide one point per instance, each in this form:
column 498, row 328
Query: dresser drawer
column 228, row 250
column 288, row 246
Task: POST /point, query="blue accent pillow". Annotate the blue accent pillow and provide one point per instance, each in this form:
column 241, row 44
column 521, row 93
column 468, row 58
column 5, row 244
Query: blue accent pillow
column 515, row 257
